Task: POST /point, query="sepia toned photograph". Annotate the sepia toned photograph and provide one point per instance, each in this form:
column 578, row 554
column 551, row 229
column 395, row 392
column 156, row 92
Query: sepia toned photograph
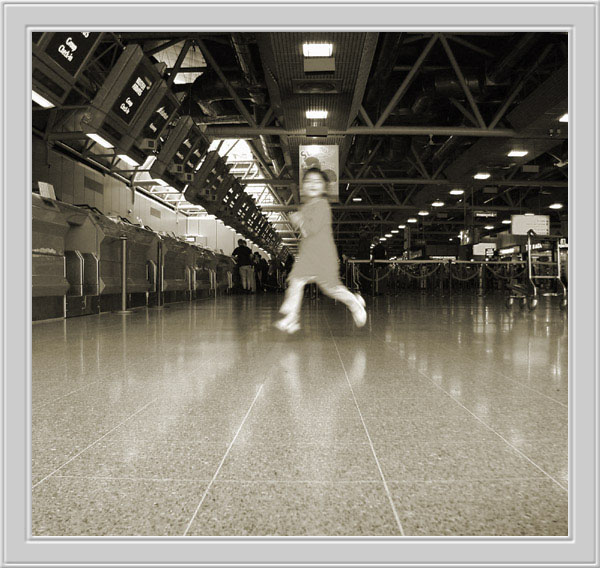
column 299, row 283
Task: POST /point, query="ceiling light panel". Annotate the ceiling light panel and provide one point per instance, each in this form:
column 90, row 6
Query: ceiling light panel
column 317, row 49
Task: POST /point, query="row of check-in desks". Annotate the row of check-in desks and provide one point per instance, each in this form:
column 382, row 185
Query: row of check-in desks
column 77, row 264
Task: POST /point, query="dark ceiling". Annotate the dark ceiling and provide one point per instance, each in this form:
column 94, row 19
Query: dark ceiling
column 414, row 114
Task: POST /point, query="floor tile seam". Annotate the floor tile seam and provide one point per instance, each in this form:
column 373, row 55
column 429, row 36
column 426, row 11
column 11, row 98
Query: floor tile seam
column 222, row 462
column 523, row 386
column 387, row 490
column 376, row 481
column 490, row 428
column 94, row 443
column 109, row 376
column 495, row 371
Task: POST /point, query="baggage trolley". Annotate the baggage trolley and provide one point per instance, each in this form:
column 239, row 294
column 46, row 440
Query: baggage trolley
column 528, row 293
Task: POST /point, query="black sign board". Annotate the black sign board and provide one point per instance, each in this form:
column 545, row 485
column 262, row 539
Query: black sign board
column 133, row 95
column 159, row 117
column 70, row 49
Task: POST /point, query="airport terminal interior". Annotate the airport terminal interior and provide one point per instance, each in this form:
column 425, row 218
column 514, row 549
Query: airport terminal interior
column 167, row 174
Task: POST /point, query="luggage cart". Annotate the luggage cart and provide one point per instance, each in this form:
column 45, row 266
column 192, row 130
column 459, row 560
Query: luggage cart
column 528, row 293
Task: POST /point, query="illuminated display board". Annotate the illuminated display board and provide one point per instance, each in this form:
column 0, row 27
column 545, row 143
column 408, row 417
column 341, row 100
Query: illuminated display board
column 58, row 59
column 133, row 94
column 70, row 49
column 127, row 100
column 160, row 117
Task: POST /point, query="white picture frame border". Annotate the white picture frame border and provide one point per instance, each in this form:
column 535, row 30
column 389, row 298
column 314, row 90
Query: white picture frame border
column 580, row 548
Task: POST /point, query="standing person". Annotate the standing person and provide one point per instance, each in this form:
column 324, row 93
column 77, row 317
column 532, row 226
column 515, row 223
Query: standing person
column 379, row 253
column 243, row 257
column 258, row 270
column 317, row 259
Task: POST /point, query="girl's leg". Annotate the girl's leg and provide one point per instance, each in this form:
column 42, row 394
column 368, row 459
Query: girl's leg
column 291, row 306
column 354, row 302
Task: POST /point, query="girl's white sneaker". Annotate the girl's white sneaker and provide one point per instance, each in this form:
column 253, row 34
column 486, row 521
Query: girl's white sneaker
column 288, row 324
column 358, row 311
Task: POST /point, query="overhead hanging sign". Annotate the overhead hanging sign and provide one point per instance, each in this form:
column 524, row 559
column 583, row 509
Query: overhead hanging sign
column 520, row 224
column 326, row 158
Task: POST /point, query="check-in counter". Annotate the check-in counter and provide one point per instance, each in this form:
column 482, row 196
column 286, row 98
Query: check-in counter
column 225, row 268
column 95, row 242
column 177, row 260
column 204, row 271
column 48, row 268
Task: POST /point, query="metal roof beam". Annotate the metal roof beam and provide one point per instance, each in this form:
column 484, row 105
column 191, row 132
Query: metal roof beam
column 422, row 181
column 253, row 132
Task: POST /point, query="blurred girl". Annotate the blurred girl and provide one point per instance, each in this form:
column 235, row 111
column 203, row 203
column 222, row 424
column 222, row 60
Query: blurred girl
column 317, row 259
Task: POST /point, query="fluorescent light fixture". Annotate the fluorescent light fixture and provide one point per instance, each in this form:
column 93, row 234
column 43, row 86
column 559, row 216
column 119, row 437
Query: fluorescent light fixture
column 316, row 114
column 388, row 235
column 42, row 101
column 411, row 220
column 489, row 227
column 383, row 239
column 394, row 231
column 556, row 206
column 517, row 153
column 357, row 199
column 437, row 203
column 149, row 162
column 317, row 49
column 564, row 117
column 457, row 191
column 128, row 160
column 423, row 213
column 506, row 221
column 402, row 226
column 99, row 140
column 481, row 175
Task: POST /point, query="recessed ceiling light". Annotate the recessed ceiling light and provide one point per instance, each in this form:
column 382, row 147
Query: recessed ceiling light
column 437, row 204
column 128, row 160
column 383, row 239
column 316, row 114
column 411, row 220
column 489, row 227
column 457, row 191
column 556, row 206
column 388, row 235
column 97, row 138
column 482, row 175
column 394, row 231
column 423, row 213
column 42, row 101
column 402, row 226
column 357, row 199
column 564, row 117
column 506, row 221
column 317, row 49
column 517, row 153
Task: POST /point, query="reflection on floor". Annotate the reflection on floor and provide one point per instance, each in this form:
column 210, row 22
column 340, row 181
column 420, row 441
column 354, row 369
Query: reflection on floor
column 442, row 416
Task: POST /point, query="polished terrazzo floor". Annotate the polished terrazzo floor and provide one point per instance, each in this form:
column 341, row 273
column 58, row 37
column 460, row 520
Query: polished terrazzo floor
column 442, row 416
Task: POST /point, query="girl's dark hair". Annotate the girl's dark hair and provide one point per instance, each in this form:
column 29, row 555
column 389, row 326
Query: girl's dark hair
column 316, row 171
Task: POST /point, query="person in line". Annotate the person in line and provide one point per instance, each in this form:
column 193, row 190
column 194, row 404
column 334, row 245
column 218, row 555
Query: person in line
column 379, row 274
column 317, row 259
column 258, row 271
column 243, row 256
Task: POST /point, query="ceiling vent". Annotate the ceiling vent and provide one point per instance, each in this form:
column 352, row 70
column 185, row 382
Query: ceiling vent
column 318, row 86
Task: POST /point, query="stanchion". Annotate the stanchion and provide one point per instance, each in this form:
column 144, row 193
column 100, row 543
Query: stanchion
column 123, row 311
